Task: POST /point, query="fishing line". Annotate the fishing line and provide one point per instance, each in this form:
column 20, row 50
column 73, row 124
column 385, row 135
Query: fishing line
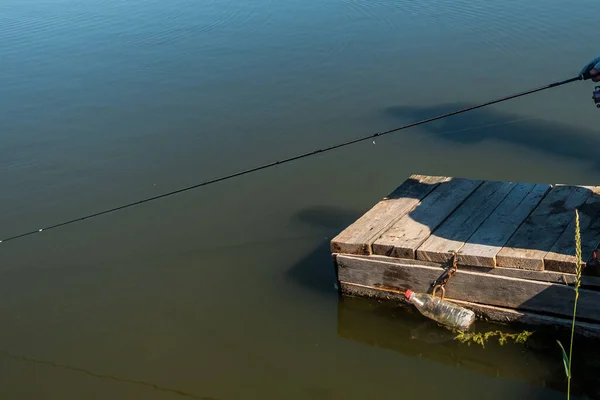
column 297, row 157
column 473, row 128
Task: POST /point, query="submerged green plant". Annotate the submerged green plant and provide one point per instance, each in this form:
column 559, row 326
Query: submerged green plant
column 567, row 359
column 480, row 338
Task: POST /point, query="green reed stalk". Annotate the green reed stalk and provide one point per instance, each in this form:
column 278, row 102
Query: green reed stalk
column 567, row 359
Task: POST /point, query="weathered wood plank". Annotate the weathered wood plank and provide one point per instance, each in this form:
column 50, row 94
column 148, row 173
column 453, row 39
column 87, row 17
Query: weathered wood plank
column 536, row 236
column 492, row 313
column 561, row 256
column 358, row 237
column 482, row 288
column 543, row 276
column 451, row 235
column 485, row 243
column 409, row 232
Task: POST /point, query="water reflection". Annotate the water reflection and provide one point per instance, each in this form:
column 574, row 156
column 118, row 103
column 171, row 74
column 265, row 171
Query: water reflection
column 405, row 331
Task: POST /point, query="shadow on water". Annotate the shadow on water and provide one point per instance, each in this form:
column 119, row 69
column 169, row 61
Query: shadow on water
column 316, row 271
column 523, row 228
column 488, row 124
column 403, row 330
column 327, row 217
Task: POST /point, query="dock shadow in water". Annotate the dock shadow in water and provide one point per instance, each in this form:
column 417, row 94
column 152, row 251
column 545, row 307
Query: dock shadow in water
column 402, row 330
column 330, row 218
column 369, row 324
column 489, row 124
column 316, row 271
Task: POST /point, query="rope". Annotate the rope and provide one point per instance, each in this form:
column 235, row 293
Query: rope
column 294, row 158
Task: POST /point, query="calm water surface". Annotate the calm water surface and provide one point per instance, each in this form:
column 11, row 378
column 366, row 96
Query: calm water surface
column 227, row 292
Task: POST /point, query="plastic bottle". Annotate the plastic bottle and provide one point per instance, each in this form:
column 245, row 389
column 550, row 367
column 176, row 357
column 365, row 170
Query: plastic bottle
column 442, row 311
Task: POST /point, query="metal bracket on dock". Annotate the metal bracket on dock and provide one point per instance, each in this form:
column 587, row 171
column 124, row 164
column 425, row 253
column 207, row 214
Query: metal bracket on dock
column 445, row 277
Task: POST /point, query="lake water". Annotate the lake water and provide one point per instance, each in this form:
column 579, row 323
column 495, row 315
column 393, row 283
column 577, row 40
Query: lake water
column 226, row 292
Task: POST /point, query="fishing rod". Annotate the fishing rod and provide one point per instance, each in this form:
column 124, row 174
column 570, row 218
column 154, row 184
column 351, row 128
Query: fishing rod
column 585, row 76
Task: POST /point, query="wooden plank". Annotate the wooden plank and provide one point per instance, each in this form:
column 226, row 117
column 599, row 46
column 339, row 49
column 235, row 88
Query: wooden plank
column 491, row 313
column 358, row 237
column 404, row 237
column 485, row 243
column 536, row 236
column 543, row 276
column 452, row 234
column 561, row 256
column 482, row 288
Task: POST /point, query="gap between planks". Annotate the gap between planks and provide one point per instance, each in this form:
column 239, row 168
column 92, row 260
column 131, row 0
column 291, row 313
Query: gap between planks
column 359, row 236
column 403, row 238
column 534, row 239
column 479, row 287
column 542, row 276
column 496, row 224
column 488, row 223
column 532, row 230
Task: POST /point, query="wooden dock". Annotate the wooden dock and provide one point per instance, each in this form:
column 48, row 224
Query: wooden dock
column 514, row 245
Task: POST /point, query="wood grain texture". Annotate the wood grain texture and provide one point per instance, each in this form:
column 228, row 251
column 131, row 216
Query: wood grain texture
column 561, row 256
column 482, row 288
column 358, row 237
column 536, row 236
column 404, row 237
column 543, row 276
column 491, row 313
column 485, row 243
column 452, row 234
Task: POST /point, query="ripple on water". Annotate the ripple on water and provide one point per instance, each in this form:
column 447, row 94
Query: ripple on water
column 126, row 24
column 377, row 11
column 493, row 24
